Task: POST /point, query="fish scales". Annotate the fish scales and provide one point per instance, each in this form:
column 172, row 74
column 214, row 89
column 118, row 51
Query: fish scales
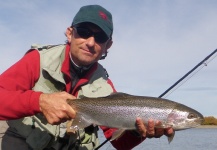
column 120, row 111
column 111, row 110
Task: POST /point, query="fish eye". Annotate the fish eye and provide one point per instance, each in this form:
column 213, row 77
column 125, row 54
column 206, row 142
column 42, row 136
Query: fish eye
column 191, row 116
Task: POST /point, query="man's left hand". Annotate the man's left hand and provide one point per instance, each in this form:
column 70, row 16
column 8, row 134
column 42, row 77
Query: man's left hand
column 150, row 131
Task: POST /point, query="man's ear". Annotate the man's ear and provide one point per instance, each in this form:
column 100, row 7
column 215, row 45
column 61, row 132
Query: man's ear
column 109, row 44
column 68, row 34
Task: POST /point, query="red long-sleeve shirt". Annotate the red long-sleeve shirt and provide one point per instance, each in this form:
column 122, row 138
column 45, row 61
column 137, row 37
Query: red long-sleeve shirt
column 19, row 100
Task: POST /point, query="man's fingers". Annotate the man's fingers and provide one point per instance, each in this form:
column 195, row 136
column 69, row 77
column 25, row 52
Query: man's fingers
column 67, row 95
column 168, row 132
column 55, row 108
column 158, row 131
column 150, row 129
column 141, row 127
column 71, row 113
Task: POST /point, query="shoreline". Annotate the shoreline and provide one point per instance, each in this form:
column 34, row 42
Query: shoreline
column 207, row 127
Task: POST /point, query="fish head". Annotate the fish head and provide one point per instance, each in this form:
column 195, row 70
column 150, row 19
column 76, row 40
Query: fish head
column 183, row 117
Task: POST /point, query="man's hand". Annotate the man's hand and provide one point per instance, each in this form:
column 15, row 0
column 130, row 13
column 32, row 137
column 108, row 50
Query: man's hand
column 150, row 131
column 55, row 108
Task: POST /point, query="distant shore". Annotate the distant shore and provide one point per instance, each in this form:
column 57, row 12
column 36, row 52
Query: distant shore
column 207, row 126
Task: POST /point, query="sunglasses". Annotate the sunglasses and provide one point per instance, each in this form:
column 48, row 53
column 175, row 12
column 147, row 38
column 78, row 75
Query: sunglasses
column 100, row 37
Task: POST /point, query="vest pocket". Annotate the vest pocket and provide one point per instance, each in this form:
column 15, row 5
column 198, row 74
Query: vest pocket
column 38, row 140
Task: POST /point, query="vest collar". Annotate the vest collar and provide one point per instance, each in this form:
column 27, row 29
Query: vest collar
column 66, row 70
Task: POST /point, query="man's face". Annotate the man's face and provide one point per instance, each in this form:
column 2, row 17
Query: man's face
column 88, row 49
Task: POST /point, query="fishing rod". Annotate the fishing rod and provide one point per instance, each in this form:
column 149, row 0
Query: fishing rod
column 188, row 73
column 175, row 84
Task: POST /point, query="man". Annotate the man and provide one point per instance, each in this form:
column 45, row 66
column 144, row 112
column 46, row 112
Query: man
column 35, row 89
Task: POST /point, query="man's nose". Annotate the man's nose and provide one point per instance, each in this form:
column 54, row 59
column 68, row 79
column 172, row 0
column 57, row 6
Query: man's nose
column 90, row 41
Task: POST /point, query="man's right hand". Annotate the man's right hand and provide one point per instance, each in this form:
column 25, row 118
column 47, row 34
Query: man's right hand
column 55, row 107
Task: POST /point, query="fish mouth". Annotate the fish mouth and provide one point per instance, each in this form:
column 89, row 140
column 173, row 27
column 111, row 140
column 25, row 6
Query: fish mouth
column 189, row 124
column 199, row 121
column 196, row 122
column 177, row 128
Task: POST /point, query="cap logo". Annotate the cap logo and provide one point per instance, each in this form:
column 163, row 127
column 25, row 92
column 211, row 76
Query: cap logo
column 103, row 15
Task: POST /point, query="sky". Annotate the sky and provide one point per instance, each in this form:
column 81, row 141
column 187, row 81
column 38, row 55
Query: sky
column 155, row 43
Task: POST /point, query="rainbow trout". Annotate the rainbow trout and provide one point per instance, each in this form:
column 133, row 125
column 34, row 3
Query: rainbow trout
column 120, row 110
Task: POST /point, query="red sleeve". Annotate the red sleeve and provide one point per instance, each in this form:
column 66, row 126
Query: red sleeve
column 127, row 141
column 110, row 82
column 17, row 99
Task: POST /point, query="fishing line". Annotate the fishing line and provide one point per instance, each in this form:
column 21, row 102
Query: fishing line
column 188, row 73
column 205, row 64
column 184, row 81
column 103, row 143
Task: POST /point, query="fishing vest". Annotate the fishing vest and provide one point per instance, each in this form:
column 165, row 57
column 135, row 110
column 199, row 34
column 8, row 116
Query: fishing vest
column 39, row 134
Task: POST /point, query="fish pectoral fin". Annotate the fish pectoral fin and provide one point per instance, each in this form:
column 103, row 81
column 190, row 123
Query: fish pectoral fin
column 163, row 126
column 170, row 138
column 118, row 133
column 79, row 122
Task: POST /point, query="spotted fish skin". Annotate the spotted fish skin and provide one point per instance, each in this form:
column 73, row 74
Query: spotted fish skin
column 120, row 110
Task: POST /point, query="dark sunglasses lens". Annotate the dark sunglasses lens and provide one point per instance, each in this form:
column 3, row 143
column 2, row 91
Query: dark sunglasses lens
column 100, row 37
column 84, row 33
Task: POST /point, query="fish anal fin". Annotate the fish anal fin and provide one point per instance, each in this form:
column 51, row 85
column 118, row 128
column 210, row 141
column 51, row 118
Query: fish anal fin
column 118, row 133
column 170, row 138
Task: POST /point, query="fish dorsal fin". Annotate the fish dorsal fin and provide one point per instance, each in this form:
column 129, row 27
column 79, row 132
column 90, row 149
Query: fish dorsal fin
column 119, row 95
column 112, row 95
column 118, row 133
column 82, row 97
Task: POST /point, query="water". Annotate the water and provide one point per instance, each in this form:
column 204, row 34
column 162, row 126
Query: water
column 191, row 139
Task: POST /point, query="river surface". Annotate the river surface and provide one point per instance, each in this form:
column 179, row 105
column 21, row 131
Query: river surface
column 191, row 139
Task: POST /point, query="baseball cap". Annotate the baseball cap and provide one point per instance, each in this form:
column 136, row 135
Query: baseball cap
column 97, row 15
